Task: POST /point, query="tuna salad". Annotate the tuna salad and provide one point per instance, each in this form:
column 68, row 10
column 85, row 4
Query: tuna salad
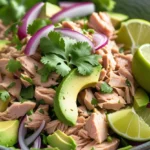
column 67, row 81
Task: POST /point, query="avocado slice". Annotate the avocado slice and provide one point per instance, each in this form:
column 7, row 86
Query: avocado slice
column 3, row 43
column 3, row 105
column 117, row 18
column 9, row 132
column 141, row 99
column 65, row 100
column 61, row 141
column 48, row 10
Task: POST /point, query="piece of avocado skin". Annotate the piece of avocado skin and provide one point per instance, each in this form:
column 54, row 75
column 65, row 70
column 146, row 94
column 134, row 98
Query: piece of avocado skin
column 66, row 95
column 48, row 10
column 61, row 140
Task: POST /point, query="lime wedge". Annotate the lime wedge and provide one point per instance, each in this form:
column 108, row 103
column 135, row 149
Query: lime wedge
column 128, row 124
column 134, row 33
column 141, row 66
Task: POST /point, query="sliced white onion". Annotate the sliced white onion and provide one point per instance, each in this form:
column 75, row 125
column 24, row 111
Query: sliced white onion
column 35, row 39
column 37, row 143
column 75, row 35
column 99, row 40
column 76, row 10
column 67, row 4
column 32, row 137
column 29, row 17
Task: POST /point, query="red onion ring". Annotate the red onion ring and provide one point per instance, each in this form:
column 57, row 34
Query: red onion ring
column 75, row 35
column 23, row 131
column 29, row 17
column 68, row 4
column 99, row 40
column 37, row 143
column 35, row 39
column 76, row 10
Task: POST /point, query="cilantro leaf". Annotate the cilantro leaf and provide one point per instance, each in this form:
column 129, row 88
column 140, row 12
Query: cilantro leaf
column 57, row 63
column 45, row 72
column 82, row 58
column 105, row 88
column 37, row 24
column 94, row 101
column 27, row 93
column 4, row 95
column 13, row 65
column 61, row 54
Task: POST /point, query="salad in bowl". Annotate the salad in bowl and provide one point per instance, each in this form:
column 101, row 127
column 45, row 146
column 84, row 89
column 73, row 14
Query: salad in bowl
column 72, row 78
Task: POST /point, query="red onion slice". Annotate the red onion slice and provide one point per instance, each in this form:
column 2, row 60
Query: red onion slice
column 21, row 135
column 76, row 10
column 68, row 4
column 37, row 143
column 99, row 40
column 29, row 17
column 75, row 35
column 32, row 138
column 35, row 39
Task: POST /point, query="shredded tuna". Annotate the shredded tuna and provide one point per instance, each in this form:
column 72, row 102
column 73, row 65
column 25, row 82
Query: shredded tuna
column 15, row 90
column 34, row 121
column 125, row 73
column 29, row 64
column 86, row 97
column 17, row 110
column 46, row 94
column 116, row 80
column 52, row 80
column 103, row 74
column 71, row 25
column 101, row 23
column 3, row 64
column 96, row 127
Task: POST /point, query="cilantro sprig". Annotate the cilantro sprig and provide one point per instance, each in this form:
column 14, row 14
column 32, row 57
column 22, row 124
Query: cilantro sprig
column 105, row 88
column 61, row 54
column 4, row 95
column 37, row 24
column 13, row 65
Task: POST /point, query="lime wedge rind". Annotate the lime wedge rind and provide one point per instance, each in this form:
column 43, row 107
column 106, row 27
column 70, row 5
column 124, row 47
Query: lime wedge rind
column 136, row 130
column 134, row 33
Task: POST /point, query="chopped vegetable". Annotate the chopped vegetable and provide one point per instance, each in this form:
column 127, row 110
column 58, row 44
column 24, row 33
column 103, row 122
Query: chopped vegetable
column 13, row 65
column 28, row 79
column 128, row 83
column 37, row 24
column 27, row 93
column 105, row 88
column 61, row 58
column 94, row 102
column 4, row 95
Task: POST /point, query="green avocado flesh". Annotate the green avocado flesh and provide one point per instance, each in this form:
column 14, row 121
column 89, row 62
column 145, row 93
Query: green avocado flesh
column 9, row 132
column 61, row 141
column 65, row 100
column 117, row 18
column 48, row 10
column 141, row 99
column 3, row 43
